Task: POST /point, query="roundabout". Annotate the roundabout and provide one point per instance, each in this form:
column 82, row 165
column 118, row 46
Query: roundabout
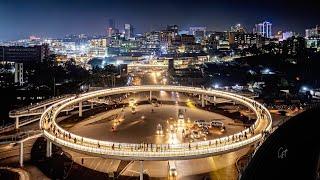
column 162, row 150
column 143, row 126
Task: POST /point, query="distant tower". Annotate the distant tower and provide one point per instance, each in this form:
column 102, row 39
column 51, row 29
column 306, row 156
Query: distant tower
column 264, row 29
column 128, row 31
column 18, row 74
column 111, row 28
column 238, row 28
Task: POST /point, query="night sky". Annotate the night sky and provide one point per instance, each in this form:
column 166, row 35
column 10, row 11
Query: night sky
column 56, row 18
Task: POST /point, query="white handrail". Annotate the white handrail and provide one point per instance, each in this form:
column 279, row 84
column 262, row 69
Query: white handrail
column 209, row 147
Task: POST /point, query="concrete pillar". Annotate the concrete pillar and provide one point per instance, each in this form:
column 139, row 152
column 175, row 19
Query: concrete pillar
column 202, row 100
column 150, row 96
column 80, row 109
column 141, row 170
column 207, row 99
column 17, row 123
column 214, row 100
column 21, row 155
column 91, row 105
column 234, row 103
column 44, row 108
column 49, row 149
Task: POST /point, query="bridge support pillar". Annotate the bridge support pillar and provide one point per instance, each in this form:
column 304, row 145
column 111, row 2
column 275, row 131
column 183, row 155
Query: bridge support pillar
column 17, row 123
column 207, row 99
column 80, row 109
column 91, row 105
column 150, row 96
column 141, row 170
column 202, row 100
column 21, row 155
column 49, row 149
column 234, row 103
column 44, row 108
column 214, row 100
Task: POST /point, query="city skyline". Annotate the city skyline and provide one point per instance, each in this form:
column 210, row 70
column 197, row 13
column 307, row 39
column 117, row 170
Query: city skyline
column 167, row 89
column 58, row 18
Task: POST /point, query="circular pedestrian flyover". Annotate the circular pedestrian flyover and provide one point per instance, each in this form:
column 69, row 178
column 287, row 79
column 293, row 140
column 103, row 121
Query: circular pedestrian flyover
column 131, row 151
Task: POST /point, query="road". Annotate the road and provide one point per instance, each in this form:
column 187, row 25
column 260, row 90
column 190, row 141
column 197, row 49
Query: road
column 220, row 167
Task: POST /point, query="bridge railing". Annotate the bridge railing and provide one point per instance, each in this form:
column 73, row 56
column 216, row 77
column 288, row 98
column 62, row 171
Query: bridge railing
column 6, row 128
column 18, row 136
column 168, row 153
column 48, row 120
column 29, row 108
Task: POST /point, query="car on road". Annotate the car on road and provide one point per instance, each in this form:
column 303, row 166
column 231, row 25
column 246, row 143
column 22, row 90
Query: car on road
column 205, row 130
column 217, row 124
column 200, row 122
column 133, row 110
column 159, row 129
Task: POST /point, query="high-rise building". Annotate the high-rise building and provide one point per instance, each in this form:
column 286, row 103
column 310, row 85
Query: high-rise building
column 264, row 29
column 313, row 32
column 173, row 28
column 152, row 40
column 128, row 31
column 294, row 46
column 215, row 37
column 111, row 29
column 97, row 47
column 287, row 34
column 313, row 38
column 313, row 42
column 238, row 28
column 198, row 32
column 282, row 36
column 18, row 73
column 166, row 37
column 245, row 40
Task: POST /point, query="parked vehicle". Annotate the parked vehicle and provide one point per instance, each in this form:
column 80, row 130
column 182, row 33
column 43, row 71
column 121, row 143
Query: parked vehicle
column 217, row 124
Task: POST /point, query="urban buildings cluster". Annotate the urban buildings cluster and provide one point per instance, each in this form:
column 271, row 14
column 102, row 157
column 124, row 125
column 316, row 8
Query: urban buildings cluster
column 170, row 46
column 170, row 41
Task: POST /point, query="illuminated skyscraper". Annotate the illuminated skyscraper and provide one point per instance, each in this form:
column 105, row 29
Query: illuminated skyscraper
column 313, row 38
column 18, row 73
column 238, row 28
column 314, row 32
column 264, row 29
column 198, row 32
column 128, row 31
column 111, row 29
